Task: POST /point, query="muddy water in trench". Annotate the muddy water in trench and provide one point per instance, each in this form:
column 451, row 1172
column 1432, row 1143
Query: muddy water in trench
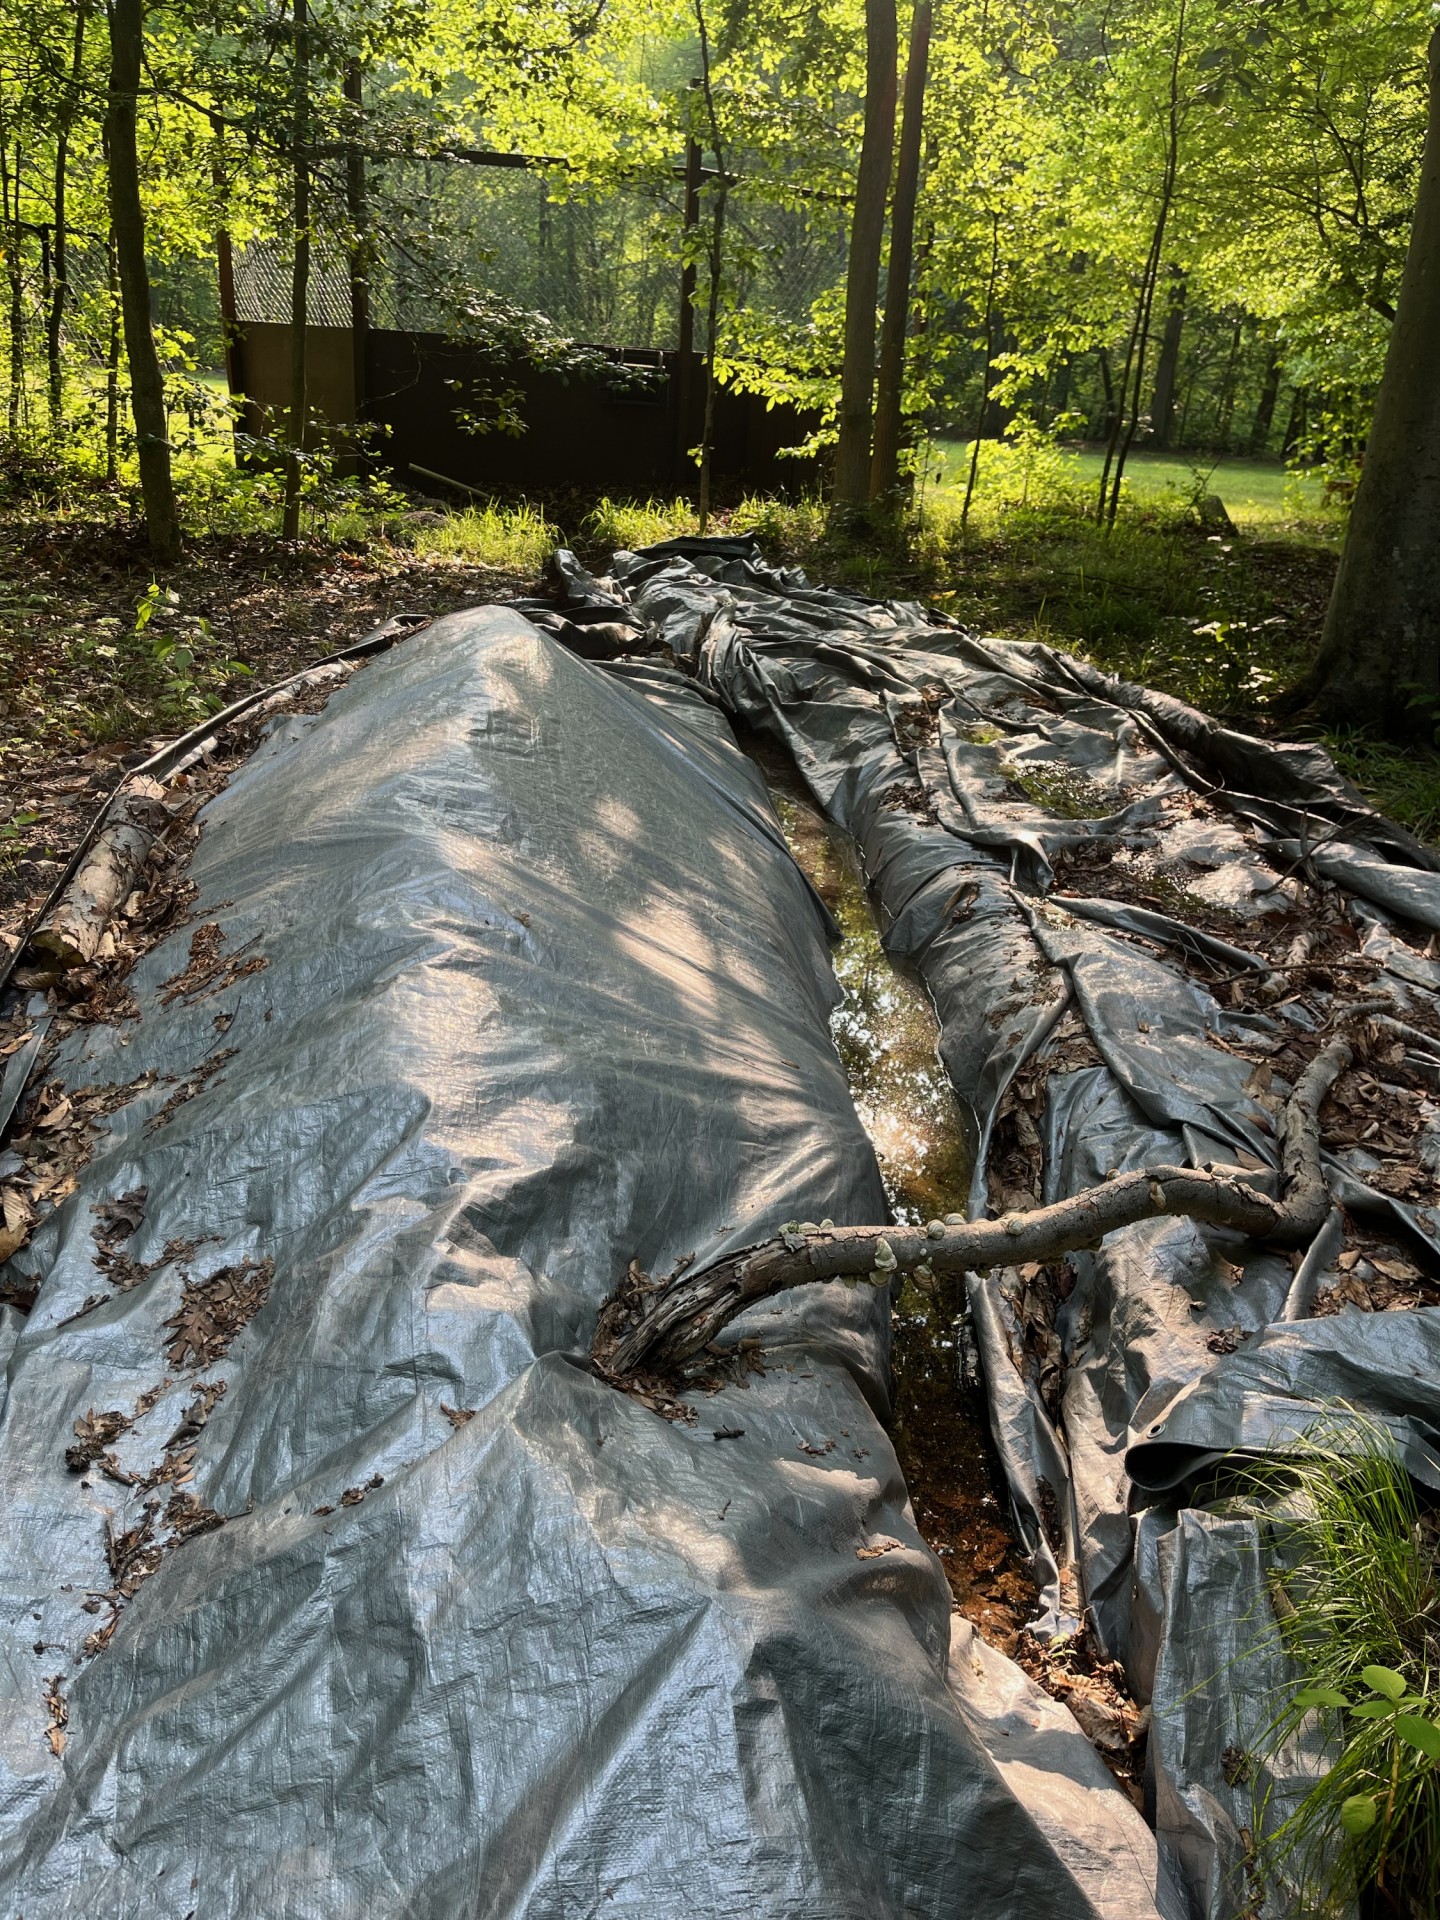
column 886, row 1034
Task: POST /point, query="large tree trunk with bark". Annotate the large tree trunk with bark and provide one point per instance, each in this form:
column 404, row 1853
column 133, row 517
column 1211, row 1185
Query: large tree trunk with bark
column 862, row 279
column 127, row 218
column 1379, row 660
column 890, row 389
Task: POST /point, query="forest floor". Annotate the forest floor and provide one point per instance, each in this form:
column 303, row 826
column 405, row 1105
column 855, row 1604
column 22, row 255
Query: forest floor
column 102, row 657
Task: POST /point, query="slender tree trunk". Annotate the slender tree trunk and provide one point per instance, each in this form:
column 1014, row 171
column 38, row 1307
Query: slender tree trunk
column 15, row 276
column 1298, row 424
column 1107, row 389
column 890, row 386
column 300, row 275
column 716, row 263
column 987, row 374
column 1124, row 430
column 127, row 216
column 356, row 209
column 1265, row 407
column 862, row 277
column 60, row 289
column 112, row 367
column 1228, row 385
column 1379, row 660
column 1167, row 367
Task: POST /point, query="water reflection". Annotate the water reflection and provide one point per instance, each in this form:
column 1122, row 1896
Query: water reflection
column 886, row 1033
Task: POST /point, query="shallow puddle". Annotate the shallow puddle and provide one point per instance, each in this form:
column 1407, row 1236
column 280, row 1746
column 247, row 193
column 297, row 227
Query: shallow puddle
column 886, row 1034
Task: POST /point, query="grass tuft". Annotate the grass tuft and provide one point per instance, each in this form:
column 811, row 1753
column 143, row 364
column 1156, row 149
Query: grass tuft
column 1355, row 1590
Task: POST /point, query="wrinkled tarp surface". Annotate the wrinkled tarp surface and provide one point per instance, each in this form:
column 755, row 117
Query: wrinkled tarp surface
column 542, row 992
column 964, row 768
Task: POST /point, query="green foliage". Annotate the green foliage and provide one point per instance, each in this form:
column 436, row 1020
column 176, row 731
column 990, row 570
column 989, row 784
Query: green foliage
column 1356, row 1586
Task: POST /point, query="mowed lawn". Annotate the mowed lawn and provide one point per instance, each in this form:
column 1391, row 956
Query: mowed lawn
column 1260, row 493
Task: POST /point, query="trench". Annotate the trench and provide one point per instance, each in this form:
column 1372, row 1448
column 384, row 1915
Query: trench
column 887, row 1036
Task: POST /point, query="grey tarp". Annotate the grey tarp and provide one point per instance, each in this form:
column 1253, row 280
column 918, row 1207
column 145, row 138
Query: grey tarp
column 543, row 993
column 919, row 739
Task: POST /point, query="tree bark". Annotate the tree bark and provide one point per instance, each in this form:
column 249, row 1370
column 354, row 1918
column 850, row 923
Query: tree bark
column 73, row 933
column 862, row 276
column 1167, row 366
column 127, row 218
column 1379, row 659
column 300, row 276
column 654, row 1328
column 60, row 286
column 890, row 386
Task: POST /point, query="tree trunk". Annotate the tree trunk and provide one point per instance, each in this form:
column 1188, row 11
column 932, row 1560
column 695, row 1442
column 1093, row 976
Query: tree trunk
column 112, row 366
column 300, row 276
column 862, row 277
column 717, row 262
column 15, row 261
column 1226, row 412
column 1167, row 367
column 357, row 211
column 1298, row 425
column 1265, row 407
column 988, row 373
column 890, row 387
column 127, row 217
column 60, row 288
column 1107, row 388
column 1379, row 660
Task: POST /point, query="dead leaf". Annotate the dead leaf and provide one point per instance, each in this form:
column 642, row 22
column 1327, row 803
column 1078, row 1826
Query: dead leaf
column 874, row 1552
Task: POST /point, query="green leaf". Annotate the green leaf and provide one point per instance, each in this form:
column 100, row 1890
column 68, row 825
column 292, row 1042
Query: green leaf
column 1321, row 1697
column 1358, row 1814
column 1423, row 1735
column 1374, row 1710
column 1384, row 1680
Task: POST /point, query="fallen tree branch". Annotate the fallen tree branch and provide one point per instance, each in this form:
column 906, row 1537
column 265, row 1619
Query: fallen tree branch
column 72, row 932
column 657, row 1327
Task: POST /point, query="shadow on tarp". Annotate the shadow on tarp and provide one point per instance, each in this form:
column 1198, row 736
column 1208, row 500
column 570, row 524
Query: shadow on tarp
column 963, row 768
column 542, row 994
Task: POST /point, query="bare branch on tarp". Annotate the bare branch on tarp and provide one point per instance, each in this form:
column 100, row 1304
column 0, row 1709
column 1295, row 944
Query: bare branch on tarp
column 659, row 1327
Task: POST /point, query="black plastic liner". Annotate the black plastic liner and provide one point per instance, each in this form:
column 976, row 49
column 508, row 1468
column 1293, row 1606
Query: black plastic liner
column 964, row 768
column 539, row 992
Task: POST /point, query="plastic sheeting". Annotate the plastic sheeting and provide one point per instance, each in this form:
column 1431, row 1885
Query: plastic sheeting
column 528, row 989
column 964, row 769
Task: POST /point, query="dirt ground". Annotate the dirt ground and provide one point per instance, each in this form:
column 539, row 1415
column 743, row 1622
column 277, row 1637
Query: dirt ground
column 83, row 696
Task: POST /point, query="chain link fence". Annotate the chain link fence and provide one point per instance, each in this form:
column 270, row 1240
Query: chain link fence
column 602, row 265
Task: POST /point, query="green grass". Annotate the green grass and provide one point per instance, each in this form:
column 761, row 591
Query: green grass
column 1259, row 495
column 1355, row 1595
column 517, row 539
